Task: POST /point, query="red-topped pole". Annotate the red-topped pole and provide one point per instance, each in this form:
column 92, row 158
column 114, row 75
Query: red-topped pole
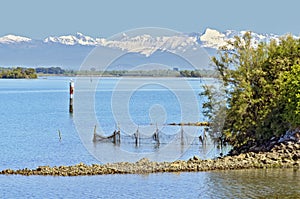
column 71, row 96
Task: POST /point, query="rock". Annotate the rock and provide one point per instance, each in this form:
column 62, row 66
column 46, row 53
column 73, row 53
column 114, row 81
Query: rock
column 291, row 135
column 256, row 149
column 196, row 158
column 273, row 156
column 286, row 160
column 297, row 164
column 296, row 157
column 284, row 154
column 241, row 157
column 234, row 152
column 143, row 161
column 271, row 145
column 250, row 155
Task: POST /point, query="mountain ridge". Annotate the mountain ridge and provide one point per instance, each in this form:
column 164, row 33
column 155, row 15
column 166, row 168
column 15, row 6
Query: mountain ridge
column 69, row 50
column 210, row 38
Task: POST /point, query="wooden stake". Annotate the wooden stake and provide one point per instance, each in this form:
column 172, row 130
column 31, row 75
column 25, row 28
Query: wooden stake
column 71, row 96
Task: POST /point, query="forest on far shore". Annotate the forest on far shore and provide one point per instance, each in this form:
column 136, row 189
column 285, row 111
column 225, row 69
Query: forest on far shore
column 121, row 73
column 32, row 73
column 18, row 73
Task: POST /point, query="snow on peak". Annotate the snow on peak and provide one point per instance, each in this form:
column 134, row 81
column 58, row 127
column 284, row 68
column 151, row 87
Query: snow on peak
column 147, row 44
column 71, row 40
column 10, row 39
column 213, row 38
column 144, row 44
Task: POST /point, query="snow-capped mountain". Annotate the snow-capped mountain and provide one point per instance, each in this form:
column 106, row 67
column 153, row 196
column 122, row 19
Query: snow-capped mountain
column 13, row 39
column 144, row 44
column 147, row 45
column 71, row 40
column 209, row 39
column 213, row 38
column 63, row 50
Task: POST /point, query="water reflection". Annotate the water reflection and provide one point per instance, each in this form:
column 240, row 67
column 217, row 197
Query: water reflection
column 255, row 183
column 272, row 183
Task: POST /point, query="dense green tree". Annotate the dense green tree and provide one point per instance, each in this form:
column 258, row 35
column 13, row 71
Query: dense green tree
column 254, row 88
column 291, row 96
column 18, row 73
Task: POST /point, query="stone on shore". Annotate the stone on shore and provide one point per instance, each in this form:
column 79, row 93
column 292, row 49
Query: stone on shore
column 283, row 154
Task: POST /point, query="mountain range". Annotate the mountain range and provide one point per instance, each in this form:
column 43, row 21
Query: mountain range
column 69, row 51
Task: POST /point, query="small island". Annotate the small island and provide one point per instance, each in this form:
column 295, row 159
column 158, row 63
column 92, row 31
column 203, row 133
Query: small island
column 18, row 73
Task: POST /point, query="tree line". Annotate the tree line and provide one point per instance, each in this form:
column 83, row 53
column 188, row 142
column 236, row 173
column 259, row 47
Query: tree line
column 18, row 73
column 119, row 73
column 51, row 70
column 199, row 73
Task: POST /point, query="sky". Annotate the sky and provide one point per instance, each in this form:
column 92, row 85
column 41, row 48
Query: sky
column 103, row 18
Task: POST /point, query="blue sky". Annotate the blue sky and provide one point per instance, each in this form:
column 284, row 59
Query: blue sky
column 41, row 18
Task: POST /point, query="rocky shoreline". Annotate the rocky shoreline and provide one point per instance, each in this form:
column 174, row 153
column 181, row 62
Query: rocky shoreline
column 282, row 155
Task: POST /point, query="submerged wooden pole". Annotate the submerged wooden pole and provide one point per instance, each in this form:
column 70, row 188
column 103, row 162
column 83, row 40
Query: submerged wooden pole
column 95, row 134
column 137, row 137
column 59, row 135
column 181, row 136
column 156, row 135
column 71, row 96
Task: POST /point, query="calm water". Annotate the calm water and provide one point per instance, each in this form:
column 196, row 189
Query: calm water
column 222, row 184
column 33, row 111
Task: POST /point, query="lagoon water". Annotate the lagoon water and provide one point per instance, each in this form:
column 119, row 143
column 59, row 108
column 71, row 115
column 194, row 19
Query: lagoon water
column 33, row 111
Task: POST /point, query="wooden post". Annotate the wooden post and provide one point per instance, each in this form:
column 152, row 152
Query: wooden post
column 181, row 136
column 118, row 134
column 59, row 135
column 71, row 96
column 156, row 135
column 95, row 133
column 137, row 137
column 204, row 135
column 119, row 137
column 114, row 137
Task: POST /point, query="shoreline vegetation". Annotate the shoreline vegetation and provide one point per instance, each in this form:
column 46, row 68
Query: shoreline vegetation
column 33, row 73
column 128, row 73
column 281, row 153
column 259, row 102
column 18, row 73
